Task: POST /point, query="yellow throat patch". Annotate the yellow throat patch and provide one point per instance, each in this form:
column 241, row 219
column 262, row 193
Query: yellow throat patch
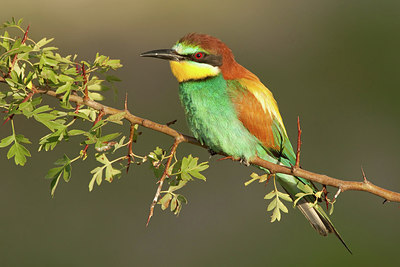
column 187, row 70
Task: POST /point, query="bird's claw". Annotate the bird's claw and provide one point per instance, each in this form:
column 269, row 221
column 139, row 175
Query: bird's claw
column 244, row 162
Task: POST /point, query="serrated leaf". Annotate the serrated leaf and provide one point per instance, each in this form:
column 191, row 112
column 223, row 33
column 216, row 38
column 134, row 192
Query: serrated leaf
column 112, row 78
column 95, row 96
column 55, row 173
column 185, row 176
column 276, row 215
column 182, row 199
column 64, row 88
column 285, row 196
column 305, row 188
column 116, row 118
column 180, row 184
column 19, row 152
column 164, row 201
column 263, row 178
column 97, row 177
column 174, row 204
column 6, row 141
column 270, row 195
column 76, row 132
column 331, row 209
column 281, row 206
column 109, row 137
column 198, row 175
column 272, row 205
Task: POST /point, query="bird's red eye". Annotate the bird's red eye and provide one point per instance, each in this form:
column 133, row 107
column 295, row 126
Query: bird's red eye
column 199, row 55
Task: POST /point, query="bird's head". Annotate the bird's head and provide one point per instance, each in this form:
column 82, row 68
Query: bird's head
column 198, row 56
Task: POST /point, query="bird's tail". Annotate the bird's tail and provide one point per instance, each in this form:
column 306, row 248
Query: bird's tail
column 318, row 219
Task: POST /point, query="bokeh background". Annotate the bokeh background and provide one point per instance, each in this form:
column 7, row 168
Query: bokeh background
column 333, row 63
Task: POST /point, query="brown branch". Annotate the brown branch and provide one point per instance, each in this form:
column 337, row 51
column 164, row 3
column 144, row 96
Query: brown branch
column 178, row 140
column 85, row 80
column 365, row 186
column 297, row 165
column 130, row 155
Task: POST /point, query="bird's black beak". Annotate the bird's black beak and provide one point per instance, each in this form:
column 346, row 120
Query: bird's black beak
column 168, row 54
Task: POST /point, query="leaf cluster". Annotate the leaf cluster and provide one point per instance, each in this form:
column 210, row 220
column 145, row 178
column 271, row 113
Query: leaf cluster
column 180, row 172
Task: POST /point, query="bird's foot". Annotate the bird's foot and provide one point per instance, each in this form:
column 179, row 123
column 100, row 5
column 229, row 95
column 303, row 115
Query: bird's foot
column 244, row 162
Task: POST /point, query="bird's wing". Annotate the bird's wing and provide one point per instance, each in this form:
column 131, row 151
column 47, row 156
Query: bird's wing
column 258, row 111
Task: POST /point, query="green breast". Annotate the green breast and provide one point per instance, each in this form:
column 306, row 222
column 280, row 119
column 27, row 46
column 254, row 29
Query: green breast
column 212, row 118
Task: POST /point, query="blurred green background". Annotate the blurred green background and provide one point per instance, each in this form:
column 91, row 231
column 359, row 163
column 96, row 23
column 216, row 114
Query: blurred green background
column 333, row 63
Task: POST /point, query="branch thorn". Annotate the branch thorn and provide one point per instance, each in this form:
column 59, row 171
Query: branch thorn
column 171, row 122
column 126, row 101
column 337, row 194
column 178, row 140
column 297, row 165
column 364, row 177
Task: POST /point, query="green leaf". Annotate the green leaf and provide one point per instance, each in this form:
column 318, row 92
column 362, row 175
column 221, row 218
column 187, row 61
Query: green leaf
column 276, row 215
column 6, row 141
column 305, row 188
column 331, row 209
column 43, row 42
column 97, row 176
column 55, row 173
column 285, row 196
column 112, row 78
column 272, row 205
column 281, row 206
column 174, row 204
column 182, row 199
column 64, row 88
column 76, row 132
column 116, row 118
column 109, row 137
column 270, row 195
column 96, row 96
column 19, row 152
column 180, row 184
column 165, row 200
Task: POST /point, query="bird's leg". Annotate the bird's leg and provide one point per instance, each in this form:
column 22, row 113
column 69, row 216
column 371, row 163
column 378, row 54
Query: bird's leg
column 241, row 160
column 244, row 162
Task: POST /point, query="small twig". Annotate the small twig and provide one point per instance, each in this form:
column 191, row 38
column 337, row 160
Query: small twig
column 337, row 194
column 130, row 155
column 85, row 80
column 178, row 140
column 297, row 165
column 326, row 199
column 16, row 55
column 126, row 101
column 28, row 96
column 171, row 122
column 363, row 174
column 268, row 178
column 98, row 118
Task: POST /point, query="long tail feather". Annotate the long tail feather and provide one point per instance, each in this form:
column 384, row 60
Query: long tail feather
column 319, row 220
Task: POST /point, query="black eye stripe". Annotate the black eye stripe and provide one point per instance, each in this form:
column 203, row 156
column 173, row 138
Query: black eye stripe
column 201, row 57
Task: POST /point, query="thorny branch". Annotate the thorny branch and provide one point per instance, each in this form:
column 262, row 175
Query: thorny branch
column 342, row 185
column 178, row 140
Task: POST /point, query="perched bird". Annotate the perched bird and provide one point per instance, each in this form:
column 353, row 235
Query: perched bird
column 229, row 110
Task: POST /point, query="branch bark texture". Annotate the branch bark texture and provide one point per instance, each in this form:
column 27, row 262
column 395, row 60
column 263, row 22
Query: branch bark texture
column 342, row 185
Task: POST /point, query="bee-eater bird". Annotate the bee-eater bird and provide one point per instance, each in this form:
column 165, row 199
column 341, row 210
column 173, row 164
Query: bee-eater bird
column 229, row 110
